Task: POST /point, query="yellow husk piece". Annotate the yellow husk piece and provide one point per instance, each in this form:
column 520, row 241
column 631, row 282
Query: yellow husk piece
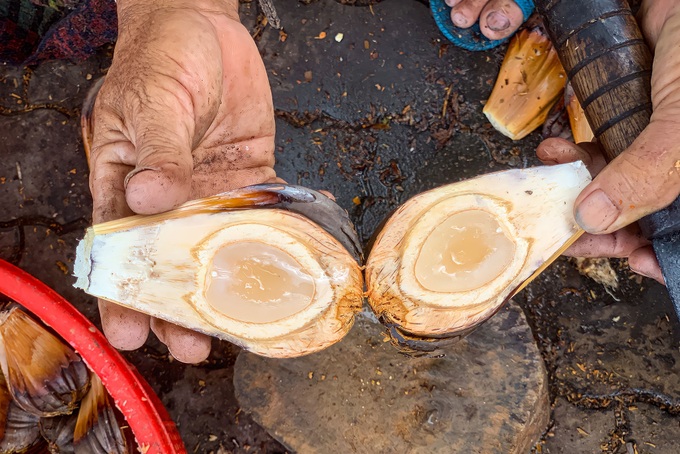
column 530, row 81
column 580, row 128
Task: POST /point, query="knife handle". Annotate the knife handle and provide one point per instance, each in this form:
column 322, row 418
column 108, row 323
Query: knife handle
column 608, row 63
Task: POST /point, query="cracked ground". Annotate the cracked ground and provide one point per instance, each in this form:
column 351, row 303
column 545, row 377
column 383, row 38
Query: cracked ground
column 386, row 112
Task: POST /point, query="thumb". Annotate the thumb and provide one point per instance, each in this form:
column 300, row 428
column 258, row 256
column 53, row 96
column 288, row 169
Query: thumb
column 643, row 179
column 162, row 134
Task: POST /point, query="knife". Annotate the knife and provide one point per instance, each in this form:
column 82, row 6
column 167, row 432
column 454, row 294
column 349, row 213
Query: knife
column 610, row 66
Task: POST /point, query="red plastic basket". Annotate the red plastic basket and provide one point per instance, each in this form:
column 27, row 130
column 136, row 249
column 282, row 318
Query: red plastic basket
column 149, row 420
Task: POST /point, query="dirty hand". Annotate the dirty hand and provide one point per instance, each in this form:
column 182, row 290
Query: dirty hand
column 645, row 177
column 185, row 112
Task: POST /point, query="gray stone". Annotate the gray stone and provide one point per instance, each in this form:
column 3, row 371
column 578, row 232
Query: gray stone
column 489, row 394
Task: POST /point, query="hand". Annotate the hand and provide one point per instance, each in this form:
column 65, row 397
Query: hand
column 645, row 177
column 185, row 112
column 625, row 242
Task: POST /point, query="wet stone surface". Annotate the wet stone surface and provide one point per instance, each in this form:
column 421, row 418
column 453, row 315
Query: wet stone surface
column 361, row 395
column 410, row 120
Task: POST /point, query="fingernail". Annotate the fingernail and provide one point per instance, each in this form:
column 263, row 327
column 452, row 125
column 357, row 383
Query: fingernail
column 641, row 273
column 596, row 212
column 459, row 19
column 135, row 172
column 652, row 274
column 497, row 21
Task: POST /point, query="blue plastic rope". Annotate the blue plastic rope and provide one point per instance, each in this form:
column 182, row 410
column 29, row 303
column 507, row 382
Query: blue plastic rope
column 470, row 38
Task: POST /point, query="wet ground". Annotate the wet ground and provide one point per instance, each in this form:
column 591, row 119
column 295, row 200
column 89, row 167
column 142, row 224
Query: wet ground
column 376, row 115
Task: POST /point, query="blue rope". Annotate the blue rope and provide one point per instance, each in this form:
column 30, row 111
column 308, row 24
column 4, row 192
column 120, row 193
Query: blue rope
column 470, row 38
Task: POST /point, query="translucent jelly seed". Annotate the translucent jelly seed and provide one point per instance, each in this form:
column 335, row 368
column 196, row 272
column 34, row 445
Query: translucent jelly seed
column 463, row 253
column 258, row 283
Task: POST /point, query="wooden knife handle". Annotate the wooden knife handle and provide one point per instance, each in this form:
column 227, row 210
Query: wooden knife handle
column 608, row 63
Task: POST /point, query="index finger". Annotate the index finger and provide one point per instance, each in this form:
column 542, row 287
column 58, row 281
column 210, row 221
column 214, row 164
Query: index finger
column 109, row 165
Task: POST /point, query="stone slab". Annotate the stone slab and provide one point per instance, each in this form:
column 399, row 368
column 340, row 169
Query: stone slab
column 489, row 394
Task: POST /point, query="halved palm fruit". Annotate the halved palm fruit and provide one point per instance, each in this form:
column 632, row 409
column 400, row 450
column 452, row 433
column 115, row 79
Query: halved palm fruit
column 529, row 83
column 449, row 258
column 273, row 268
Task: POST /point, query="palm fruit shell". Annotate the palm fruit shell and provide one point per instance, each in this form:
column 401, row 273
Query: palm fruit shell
column 22, row 434
column 97, row 429
column 58, row 433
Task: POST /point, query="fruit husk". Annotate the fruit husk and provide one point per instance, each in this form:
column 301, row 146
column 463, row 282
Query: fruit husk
column 44, row 375
column 87, row 118
column 97, row 429
column 580, row 128
column 5, row 400
column 534, row 204
column 58, row 433
column 315, row 206
column 157, row 264
column 21, row 432
column 530, row 81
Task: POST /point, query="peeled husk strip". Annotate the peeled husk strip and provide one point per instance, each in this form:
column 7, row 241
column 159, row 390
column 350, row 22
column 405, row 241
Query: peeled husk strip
column 580, row 128
column 97, row 430
column 530, row 81
column 535, row 204
column 44, row 375
column 157, row 265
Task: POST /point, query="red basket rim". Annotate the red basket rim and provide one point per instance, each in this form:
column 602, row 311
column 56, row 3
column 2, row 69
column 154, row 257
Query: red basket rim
column 153, row 428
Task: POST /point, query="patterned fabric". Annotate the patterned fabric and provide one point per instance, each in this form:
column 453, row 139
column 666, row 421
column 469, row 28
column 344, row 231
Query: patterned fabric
column 32, row 31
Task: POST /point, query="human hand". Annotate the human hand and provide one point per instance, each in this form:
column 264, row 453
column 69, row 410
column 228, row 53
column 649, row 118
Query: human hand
column 185, row 112
column 644, row 178
column 626, row 242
